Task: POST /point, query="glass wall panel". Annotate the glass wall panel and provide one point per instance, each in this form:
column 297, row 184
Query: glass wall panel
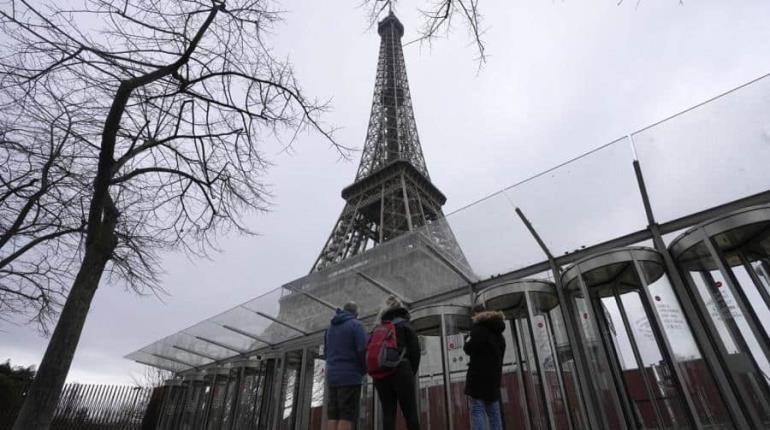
column 228, row 409
column 250, row 390
column 317, row 417
column 441, row 375
column 697, row 377
column 433, row 410
column 176, row 391
column 368, row 405
column 455, row 331
column 221, row 380
column 288, row 400
column 513, row 399
column 265, row 399
column 195, row 403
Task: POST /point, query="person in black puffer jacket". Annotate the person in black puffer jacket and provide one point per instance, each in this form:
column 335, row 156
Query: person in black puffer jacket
column 486, row 348
column 401, row 385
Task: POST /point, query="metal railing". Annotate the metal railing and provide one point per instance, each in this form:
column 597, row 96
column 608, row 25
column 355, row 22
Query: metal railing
column 90, row 406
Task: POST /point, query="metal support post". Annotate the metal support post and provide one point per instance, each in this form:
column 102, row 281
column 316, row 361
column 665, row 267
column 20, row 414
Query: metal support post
column 589, row 406
column 704, row 337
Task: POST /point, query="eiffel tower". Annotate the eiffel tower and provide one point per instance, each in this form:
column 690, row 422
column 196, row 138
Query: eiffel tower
column 392, row 193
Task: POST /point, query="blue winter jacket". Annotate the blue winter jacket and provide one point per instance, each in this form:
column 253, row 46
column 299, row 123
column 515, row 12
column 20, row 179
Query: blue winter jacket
column 345, row 350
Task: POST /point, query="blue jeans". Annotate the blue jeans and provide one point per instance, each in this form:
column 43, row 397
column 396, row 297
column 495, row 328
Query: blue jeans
column 483, row 414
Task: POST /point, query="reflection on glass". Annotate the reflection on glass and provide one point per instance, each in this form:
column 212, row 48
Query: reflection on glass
column 431, row 383
column 249, row 390
column 725, row 262
column 457, row 362
column 602, row 378
column 697, row 378
column 317, row 394
column 289, row 390
column 512, row 400
column 218, row 394
column 531, row 374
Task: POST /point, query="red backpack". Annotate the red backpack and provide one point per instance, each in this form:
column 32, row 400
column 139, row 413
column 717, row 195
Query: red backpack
column 382, row 354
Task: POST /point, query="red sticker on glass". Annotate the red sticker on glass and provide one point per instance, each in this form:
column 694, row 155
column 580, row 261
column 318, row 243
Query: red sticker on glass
column 718, row 284
column 657, row 298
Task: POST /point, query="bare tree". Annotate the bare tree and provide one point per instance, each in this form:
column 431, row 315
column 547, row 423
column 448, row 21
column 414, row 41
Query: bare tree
column 41, row 211
column 179, row 97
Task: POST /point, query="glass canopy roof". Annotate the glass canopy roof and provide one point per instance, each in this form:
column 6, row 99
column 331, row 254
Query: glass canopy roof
column 589, row 200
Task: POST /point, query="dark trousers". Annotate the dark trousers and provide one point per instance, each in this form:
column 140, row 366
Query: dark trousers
column 398, row 387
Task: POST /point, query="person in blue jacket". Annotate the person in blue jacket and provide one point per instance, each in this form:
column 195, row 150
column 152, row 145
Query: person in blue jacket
column 345, row 352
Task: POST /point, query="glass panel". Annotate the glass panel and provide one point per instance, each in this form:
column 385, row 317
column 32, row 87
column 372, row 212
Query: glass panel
column 458, row 367
column 730, row 136
column 413, row 267
column 512, row 398
column 368, row 405
column 498, row 244
column 532, row 384
column 755, row 299
column 601, row 194
column 289, row 390
column 249, row 391
column 216, row 410
column 655, row 369
column 548, row 363
column 566, row 360
column 431, row 381
column 230, row 398
column 603, row 381
column 698, row 379
column 199, row 422
column 317, row 418
column 265, row 394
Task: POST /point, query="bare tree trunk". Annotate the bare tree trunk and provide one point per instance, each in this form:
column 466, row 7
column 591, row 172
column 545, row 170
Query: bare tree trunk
column 43, row 395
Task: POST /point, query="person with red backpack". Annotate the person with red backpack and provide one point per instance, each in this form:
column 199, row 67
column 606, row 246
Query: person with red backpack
column 392, row 360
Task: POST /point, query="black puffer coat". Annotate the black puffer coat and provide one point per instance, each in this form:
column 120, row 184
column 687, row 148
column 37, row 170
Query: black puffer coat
column 486, row 347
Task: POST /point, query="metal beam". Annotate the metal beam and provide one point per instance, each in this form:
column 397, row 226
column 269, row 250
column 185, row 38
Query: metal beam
column 534, row 233
column 155, row 365
column 312, row 297
column 247, row 334
column 277, row 321
column 221, row 345
column 175, row 360
column 450, row 264
column 380, row 285
column 199, row 354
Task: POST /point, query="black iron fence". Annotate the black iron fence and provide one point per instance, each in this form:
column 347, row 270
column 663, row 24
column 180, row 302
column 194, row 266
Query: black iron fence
column 89, row 406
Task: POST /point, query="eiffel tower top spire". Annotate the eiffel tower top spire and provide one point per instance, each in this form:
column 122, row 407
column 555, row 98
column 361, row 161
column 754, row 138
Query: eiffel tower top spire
column 392, row 193
column 392, row 133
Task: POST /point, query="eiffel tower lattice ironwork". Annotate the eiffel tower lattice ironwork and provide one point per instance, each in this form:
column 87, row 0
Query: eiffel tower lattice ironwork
column 392, row 193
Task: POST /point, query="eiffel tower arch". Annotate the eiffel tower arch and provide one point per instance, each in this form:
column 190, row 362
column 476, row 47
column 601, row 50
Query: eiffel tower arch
column 392, row 193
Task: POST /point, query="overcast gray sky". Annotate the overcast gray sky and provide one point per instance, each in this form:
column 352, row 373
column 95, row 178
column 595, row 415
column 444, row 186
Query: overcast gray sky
column 562, row 77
